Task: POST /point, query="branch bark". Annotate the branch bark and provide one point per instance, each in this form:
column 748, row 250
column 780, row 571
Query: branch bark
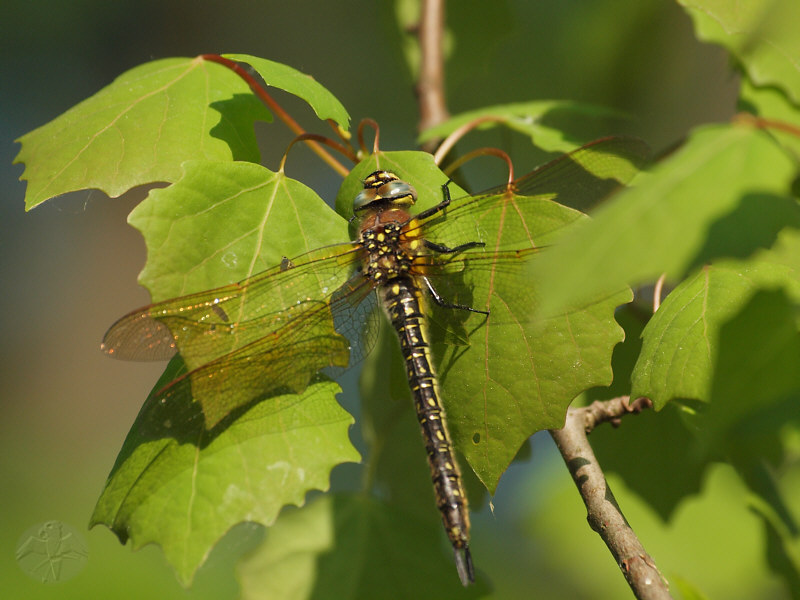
column 430, row 86
column 603, row 513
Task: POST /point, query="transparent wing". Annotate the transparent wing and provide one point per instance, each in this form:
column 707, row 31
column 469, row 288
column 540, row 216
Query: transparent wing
column 210, row 324
column 270, row 333
column 512, row 221
column 514, row 225
column 282, row 360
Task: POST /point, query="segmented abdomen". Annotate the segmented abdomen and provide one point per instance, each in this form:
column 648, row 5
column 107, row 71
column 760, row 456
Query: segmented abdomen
column 401, row 299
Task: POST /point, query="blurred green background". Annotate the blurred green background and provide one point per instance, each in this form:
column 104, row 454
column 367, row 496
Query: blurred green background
column 68, row 269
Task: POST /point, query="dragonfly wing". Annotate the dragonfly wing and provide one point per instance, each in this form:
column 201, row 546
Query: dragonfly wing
column 513, row 221
column 210, row 324
column 513, row 225
column 284, row 360
column 584, row 177
column 138, row 336
column 288, row 348
column 356, row 317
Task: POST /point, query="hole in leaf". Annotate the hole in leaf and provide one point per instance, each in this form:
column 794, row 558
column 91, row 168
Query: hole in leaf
column 476, row 438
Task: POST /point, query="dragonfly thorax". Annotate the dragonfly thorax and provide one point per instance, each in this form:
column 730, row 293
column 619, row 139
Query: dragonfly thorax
column 384, row 229
column 389, row 252
column 386, row 188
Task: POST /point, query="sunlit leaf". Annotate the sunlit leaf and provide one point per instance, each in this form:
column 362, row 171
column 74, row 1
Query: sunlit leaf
column 728, row 352
column 183, row 487
column 724, row 193
column 140, row 128
column 681, row 341
column 540, row 120
column 266, row 216
column 170, row 454
column 761, row 34
column 283, row 77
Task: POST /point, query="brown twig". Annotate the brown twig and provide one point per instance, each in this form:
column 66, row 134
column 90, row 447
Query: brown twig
column 763, row 123
column 603, row 513
column 277, row 110
column 375, row 141
column 450, row 141
column 430, row 87
column 657, row 290
column 484, row 152
column 341, row 148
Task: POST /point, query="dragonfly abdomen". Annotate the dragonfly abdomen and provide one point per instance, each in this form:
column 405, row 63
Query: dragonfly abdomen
column 401, row 300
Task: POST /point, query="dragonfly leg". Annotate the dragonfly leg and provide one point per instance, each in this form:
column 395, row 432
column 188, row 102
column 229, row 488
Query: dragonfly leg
column 442, row 249
column 439, row 207
column 440, row 301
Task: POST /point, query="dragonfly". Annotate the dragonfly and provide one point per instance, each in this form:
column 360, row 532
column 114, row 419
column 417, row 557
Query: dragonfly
column 275, row 331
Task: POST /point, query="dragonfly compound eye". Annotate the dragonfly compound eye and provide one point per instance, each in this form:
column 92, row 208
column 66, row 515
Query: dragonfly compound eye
column 384, row 186
column 397, row 191
column 364, row 198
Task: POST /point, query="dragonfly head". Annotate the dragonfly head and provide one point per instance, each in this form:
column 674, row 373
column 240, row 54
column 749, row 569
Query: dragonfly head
column 384, row 187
